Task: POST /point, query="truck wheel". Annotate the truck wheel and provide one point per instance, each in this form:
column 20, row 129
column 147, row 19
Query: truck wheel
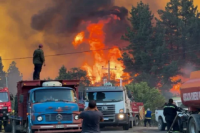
column 0, row 126
column 8, row 128
column 126, row 127
column 192, row 126
column 137, row 121
column 161, row 124
column 131, row 124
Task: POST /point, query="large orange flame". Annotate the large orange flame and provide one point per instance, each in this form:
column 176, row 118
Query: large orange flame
column 96, row 41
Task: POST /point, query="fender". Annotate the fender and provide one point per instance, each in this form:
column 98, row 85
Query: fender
column 196, row 118
column 29, row 122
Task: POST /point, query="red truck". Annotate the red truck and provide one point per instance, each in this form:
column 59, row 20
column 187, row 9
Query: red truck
column 47, row 106
column 5, row 109
column 189, row 121
column 138, row 112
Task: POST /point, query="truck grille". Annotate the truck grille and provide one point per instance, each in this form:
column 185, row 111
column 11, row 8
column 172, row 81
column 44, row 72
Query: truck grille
column 110, row 109
column 58, row 117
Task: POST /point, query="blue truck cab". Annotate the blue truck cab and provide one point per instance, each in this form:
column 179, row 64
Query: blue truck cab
column 51, row 107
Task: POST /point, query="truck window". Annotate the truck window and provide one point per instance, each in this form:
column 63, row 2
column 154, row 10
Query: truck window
column 47, row 95
column 3, row 97
column 105, row 96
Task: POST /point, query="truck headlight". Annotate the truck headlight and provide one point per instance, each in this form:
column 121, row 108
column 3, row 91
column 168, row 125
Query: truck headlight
column 121, row 116
column 76, row 117
column 121, row 111
column 39, row 118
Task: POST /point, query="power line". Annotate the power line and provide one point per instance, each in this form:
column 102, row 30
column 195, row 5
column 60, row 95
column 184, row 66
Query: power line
column 63, row 53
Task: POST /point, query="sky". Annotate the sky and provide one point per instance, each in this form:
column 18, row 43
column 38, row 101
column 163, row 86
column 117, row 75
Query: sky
column 18, row 38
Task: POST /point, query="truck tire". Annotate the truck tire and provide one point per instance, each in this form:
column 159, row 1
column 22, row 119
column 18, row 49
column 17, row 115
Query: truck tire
column 136, row 121
column 161, row 124
column 0, row 126
column 126, row 127
column 192, row 126
column 131, row 124
column 8, row 128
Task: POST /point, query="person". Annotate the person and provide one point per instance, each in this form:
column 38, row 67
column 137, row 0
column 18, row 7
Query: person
column 91, row 118
column 148, row 114
column 38, row 61
column 170, row 112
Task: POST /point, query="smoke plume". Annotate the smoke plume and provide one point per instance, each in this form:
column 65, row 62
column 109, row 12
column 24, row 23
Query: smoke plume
column 54, row 23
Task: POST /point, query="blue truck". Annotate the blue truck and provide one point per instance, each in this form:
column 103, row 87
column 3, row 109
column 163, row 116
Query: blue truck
column 46, row 107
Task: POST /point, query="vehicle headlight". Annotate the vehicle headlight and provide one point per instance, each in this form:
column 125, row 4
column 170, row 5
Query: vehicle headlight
column 121, row 111
column 76, row 117
column 39, row 118
column 121, row 116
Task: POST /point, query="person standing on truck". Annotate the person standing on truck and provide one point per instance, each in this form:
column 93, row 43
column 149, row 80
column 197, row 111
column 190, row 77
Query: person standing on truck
column 148, row 114
column 170, row 112
column 38, row 61
column 91, row 118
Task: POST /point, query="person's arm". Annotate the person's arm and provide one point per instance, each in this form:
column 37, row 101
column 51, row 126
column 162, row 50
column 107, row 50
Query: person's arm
column 101, row 117
column 81, row 116
column 164, row 112
column 42, row 57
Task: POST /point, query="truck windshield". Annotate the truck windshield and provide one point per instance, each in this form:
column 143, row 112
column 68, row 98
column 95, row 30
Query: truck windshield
column 3, row 97
column 48, row 95
column 105, row 96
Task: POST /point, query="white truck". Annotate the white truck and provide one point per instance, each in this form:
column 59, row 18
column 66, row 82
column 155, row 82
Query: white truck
column 114, row 103
column 160, row 118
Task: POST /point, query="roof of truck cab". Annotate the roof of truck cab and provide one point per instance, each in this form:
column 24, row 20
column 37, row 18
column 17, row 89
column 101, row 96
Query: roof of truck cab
column 43, row 88
column 103, row 88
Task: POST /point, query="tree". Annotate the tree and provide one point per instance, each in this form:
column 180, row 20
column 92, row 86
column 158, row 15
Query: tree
column 147, row 53
column 180, row 21
column 151, row 97
column 75, row 74
column 14, row 76
column 2, row 75
column 63, row 73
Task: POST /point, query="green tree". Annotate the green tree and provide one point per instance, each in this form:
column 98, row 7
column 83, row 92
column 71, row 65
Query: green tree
column 14, row 76
column 75, row 74
column 180, row 21
column 2, row 75
column 151, row 97
column 63, row 74
column 147, row 53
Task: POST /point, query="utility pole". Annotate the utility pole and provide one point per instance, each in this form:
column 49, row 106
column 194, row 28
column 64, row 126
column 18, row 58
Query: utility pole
column 109, row 69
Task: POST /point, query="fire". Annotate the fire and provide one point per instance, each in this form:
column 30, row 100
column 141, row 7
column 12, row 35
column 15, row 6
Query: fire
column 176, row 88
column 78, row 39
column 96, row 41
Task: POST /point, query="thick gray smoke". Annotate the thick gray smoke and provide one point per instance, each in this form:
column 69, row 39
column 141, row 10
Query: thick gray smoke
column 66, row 15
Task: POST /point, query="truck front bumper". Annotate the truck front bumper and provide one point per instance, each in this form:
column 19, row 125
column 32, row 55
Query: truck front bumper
column 117, row 121
column 57, row 128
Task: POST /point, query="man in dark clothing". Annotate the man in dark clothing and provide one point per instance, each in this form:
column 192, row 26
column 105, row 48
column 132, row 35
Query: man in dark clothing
column 170, row 112
column 38, row 61
column 91, row 119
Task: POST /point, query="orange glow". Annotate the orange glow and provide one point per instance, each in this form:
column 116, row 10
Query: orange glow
column 176, row 88
column 96, row 39
column 78, row 39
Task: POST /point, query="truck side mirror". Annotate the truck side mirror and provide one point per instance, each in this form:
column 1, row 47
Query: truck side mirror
column 75, row 99
column 21, row 98
column 11, row 97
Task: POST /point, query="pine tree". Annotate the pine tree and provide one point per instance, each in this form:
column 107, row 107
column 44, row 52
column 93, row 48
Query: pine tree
column 63, row 74
column 181, row 23
column 2, row 75
column 14, row 76
column 147, row 52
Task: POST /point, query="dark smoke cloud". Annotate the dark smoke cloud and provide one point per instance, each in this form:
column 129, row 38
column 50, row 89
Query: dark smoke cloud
column 66, row 15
